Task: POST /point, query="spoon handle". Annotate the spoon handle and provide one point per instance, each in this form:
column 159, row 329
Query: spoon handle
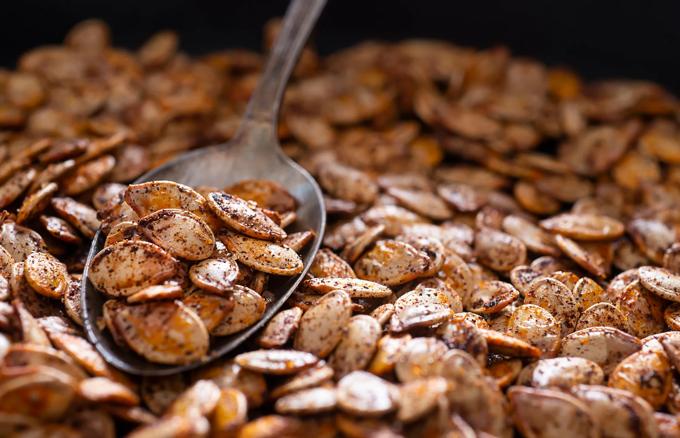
column 298, row 23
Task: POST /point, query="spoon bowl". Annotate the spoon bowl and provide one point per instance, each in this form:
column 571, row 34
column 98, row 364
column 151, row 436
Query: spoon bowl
column 253, row 153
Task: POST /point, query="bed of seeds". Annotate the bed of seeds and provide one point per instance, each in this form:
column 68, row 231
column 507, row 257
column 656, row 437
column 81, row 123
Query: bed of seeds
column 502, row 255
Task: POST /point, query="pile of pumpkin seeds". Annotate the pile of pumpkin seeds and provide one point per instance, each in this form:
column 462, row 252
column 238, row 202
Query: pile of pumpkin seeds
column 502, row 255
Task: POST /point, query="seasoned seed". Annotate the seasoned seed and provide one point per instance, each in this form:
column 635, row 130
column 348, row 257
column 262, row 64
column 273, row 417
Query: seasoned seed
column 157, row 292
column 392, row 263
column 46, row 275
column 129, row 266
column 276, row 361
column 602, row 315
column 322, row 326
column 498, row 250
column 79, row 215
column 163, row 332
column 215, row 275
column 60, row 229
column 280, row 328
column 584, row 226
column 262, row 255
column 243, row 217
column 363, row 394
column 357, row 346
column 249, row 306
column 536, row 326
column 606, row 346
column 661, row 282
column 307, row 401
column 181, row 233
column 550, row 413
column 355, row 287
column 103, row 390
column 36, row 202
column 557, row 299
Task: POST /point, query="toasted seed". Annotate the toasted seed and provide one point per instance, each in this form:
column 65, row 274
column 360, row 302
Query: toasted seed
column 215, row 275
column 36, row 202
column 307, row 401
column 419, row 397
column 248, row 308
column 584, row 226
column 145, row 198
column 619, row 413
column 262, row 255
column 276, row 361
column 531, row 235
column 383, row 313
column 39, row 392
column 643, row 310
column 105, row 194
column 280, row 328
column 87, row 175
column 79, row 215
column 158, row 393
column 533, row 200
column 421, row 307
column 198, row 400
column 297, row 241
column 19, row 242
column 393, row 217
column 355, row 287
column 163, row 332
column 103, row 390
column 46, row 275
column 130, row 266
column 357, row 346
column 392, row 263
column 24, row 354
column 51, row 173
column 589, row 260
column 522, row 276
column 661, row 282
column 605, row 346
column 311, row 377
column 388, row 353
column 557, row 299
column 243, row 217
column 652, row 237
column 505, row 371
column 31, row 331
column 267, row 194
column 86, row 356
column 536, row 326
column 646, row 373
column 6, row 262
column 548, row 413
column 421, row 202
column 60, row 229
column 566, row 372
column 462, row 197
column 462, row 334
column 322, row 326
column 363, row 394
column 672, row 316
column 419, row 358
column 491, row 297
column 347, row 183
column 211, row 308
column 588, row 293
column 327, row 264
column 498, row 250
column 173, row 425
column 508, row 345
column 231, row 411
column 355, row 248
column 181, row 233
column 15, row 186
column 156, row 292
column 602, row 315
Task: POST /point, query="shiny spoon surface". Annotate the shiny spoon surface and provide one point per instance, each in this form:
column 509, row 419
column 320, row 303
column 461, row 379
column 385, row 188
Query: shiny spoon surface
column 253, row 153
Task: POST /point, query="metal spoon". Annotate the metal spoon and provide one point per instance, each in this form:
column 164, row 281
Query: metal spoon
column 254, row 152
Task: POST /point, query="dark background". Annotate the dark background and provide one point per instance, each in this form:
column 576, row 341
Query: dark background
column 626, row 38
